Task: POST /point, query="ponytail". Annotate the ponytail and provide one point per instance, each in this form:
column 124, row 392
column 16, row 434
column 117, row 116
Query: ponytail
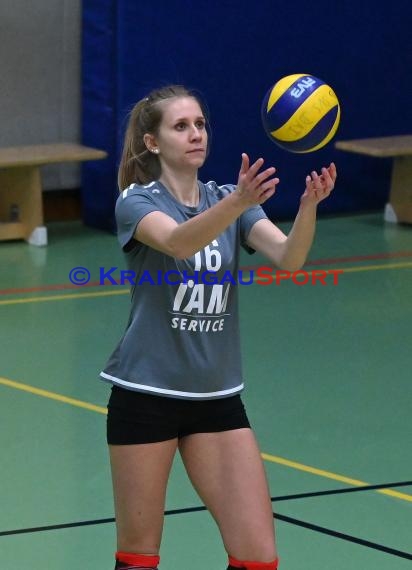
column 137, row 164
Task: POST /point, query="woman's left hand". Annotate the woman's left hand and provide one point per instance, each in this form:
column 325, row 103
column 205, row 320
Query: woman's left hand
column 318, row 187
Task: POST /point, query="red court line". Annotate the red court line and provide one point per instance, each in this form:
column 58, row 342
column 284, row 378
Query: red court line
column 326, row 261
column 55, row 287
column 350, row 259
column 391, row 255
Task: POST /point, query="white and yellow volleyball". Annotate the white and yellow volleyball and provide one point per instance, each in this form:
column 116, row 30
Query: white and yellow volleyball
column 300, row 113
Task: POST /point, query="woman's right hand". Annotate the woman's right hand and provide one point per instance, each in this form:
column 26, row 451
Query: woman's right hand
column 255, row 187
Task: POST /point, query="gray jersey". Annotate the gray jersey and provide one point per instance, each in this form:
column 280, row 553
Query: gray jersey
column 182, row 338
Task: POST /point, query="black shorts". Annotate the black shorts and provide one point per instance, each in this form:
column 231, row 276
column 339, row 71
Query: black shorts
column 134, row 417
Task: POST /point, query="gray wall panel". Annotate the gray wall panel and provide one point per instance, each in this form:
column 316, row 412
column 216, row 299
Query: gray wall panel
column 40, row 79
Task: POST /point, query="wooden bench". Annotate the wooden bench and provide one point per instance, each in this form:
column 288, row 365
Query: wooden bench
column 21, row 204
column 399, row 206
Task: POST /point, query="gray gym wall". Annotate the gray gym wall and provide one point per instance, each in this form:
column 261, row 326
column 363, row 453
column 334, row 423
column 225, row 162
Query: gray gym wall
column 40, row 79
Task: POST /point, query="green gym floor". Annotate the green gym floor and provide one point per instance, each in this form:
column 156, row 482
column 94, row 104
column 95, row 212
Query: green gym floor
column 328, row 371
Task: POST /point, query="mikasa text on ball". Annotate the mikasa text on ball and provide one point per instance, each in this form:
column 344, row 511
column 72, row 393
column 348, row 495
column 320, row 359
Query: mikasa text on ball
column 300, row 113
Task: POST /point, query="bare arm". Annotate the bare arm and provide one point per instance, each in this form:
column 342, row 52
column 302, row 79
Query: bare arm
column 161, row 232
column 290, row 252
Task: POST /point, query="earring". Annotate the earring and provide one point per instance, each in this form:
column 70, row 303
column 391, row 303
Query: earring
column 155, row 150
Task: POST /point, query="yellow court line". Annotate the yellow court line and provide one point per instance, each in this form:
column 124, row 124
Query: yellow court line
column 52, row 395
column 334, row 476
column 127, row 291
column 400, row 265
column 63, row 297
column 265, row 456
column 18, row 301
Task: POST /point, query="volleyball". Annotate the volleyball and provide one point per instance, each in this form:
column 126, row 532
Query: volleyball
column 300, row 113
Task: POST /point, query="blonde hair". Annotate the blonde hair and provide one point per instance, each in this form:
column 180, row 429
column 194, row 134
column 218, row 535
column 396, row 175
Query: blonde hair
column 137, row 163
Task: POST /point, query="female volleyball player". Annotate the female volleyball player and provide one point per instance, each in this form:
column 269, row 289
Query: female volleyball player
column 176, row 372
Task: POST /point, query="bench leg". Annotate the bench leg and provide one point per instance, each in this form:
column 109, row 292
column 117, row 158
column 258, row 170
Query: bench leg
column 399, row 208
column 21, row 187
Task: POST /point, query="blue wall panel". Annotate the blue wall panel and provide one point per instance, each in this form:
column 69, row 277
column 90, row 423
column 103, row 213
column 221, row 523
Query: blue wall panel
column 100, row 84
column 232, row 52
